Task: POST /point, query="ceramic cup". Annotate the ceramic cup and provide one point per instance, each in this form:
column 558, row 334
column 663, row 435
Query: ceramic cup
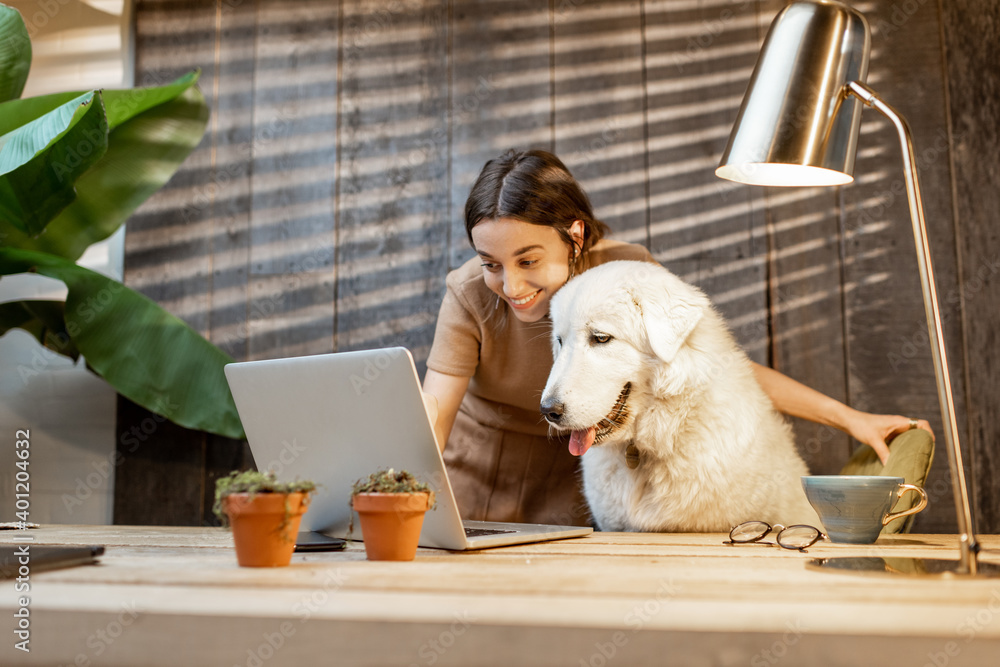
column 853, row 508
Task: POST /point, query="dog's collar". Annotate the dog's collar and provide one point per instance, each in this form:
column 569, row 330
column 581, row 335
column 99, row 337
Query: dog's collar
column 632, row 456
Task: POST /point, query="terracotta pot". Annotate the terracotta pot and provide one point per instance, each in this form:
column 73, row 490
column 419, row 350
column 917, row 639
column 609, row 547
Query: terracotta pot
column 391, row 523
column 261, row 539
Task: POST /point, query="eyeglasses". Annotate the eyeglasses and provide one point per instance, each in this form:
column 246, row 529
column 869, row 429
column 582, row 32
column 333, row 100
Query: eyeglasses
column 796, row 537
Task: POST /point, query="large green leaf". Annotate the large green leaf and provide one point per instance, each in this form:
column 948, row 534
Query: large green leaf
column 41, row 161
column 125, row 104
column 15, row 54
column 147, row 354
column 121, row 105
column 144, row 151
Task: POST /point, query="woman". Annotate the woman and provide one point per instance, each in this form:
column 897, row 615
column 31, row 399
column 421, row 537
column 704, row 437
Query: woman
column 533, row 229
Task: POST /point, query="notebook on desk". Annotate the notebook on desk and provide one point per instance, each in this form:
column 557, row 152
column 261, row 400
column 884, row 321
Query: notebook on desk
column 336, row 418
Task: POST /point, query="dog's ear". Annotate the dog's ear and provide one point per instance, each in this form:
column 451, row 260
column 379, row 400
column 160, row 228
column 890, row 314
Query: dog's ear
column 669, row 318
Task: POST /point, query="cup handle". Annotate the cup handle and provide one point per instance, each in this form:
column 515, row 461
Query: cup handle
column 903, row 488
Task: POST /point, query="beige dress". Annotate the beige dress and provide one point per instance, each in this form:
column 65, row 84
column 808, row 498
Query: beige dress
column 502, row 462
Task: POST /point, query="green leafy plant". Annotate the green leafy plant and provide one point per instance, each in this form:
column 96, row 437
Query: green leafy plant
column 387, row 480
column 73, row 167
column 252, row 482
column 390, row 481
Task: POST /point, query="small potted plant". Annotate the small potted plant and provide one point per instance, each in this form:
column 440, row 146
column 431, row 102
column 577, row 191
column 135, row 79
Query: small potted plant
column 264, row 515
column 391, row 506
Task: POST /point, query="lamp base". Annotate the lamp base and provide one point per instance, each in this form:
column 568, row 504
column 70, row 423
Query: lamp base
column 915, row 567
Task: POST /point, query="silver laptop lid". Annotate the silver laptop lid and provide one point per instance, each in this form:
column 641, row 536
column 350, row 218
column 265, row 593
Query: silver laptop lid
column 336, row 418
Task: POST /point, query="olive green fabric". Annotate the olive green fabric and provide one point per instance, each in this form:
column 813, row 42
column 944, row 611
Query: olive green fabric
column 910, row 456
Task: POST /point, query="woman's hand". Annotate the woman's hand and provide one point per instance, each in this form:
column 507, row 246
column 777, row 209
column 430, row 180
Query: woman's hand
column 877, row 430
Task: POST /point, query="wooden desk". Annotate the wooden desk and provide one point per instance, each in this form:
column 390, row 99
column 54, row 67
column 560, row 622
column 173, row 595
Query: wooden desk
column 175, row 596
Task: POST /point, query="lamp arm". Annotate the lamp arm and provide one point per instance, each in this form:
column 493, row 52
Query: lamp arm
column 968, row 545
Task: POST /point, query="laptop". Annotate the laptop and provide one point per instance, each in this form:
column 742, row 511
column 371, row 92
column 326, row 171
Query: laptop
column 337, row 418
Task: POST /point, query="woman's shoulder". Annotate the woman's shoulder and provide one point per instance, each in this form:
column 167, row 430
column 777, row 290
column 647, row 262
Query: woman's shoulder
column 466, row 282
column 610, row 250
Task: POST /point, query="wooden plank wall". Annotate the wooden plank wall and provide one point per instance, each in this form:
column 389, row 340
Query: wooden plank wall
column 324, row 207
column 972, row 36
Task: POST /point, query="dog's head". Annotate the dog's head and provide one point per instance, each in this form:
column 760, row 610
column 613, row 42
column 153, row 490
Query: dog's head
column 615, row 329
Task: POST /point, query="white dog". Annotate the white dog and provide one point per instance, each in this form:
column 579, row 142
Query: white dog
column 684, row 439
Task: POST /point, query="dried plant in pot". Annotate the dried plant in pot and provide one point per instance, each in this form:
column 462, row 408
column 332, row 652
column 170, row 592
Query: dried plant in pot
column 264, row 515
column 391, row 507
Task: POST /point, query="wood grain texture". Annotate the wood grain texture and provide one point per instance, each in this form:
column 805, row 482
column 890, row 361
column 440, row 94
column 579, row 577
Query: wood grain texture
column 698, row 59
column 599, row 109
column 500, row 95
column 392, row 251
column 226, row 195
column 972, row 35
column 292, row 210
column 168, row 241
column 688, row 597
column 157, row 464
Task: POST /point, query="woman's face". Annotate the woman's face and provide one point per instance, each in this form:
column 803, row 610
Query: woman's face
column 524, row 264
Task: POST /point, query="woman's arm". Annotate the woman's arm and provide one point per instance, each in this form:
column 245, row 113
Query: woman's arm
column 795, row 399
column 442, row 395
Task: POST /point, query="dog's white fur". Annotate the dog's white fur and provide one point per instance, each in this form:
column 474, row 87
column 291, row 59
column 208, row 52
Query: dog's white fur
column 713, row 450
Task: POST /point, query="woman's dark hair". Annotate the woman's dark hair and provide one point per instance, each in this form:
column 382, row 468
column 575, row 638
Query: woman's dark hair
column 534, row 187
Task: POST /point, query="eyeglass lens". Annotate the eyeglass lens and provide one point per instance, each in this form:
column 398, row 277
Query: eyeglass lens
column 798, row 537
column 749, row 531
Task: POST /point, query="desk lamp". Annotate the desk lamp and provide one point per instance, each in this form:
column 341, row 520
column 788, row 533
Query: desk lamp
column 798, row 126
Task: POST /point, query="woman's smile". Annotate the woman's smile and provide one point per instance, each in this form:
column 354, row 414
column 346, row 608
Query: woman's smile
column 523, row 264
column 519, row 303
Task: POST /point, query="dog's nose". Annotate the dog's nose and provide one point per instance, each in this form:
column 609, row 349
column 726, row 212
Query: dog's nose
column 552, row 410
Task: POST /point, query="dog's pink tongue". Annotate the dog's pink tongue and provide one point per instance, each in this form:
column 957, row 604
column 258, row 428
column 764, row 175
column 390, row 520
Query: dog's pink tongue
column 580, row 441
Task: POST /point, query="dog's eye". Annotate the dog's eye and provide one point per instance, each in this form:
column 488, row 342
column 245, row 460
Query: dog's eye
column 599, row 338
column 558, row 341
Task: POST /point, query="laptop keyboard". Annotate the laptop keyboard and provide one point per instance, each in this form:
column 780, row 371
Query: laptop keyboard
column 476, row 532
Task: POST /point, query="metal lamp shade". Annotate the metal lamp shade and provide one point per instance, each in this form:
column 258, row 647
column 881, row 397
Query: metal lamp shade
column 797, row 126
